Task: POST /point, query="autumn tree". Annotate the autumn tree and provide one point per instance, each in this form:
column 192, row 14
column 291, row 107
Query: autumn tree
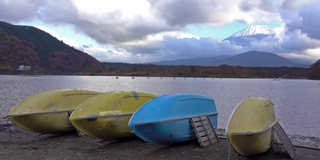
column 314, row 71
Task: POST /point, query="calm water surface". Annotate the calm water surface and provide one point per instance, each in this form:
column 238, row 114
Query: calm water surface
column 297, row 102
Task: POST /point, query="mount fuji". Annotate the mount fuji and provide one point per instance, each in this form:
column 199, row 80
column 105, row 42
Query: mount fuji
column 246, row 59
column 254, row 33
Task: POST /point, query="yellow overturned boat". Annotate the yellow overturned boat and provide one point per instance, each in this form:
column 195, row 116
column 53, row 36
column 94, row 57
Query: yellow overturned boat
column 106, row 116
column 48, row 112
column 250, row 126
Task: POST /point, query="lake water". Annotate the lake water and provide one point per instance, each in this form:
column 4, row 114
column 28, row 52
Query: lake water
column 297, row 102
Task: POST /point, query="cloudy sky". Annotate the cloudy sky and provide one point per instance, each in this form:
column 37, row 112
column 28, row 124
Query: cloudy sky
column 154, row 30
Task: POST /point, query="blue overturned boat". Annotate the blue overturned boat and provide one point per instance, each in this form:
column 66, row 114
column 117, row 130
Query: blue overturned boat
column 166, row 119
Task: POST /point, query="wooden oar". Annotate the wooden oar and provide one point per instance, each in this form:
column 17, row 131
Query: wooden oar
column 283, row 137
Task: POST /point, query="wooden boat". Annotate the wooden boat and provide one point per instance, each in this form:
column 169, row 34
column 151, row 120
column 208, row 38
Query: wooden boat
column 250, row 126
column 48, row 112
column 166, row 119
column 106, row 116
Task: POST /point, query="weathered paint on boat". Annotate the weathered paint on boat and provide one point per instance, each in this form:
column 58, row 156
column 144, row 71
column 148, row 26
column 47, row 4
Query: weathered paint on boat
column 48, row 112
column 250, row 126
column 166, row 119
column 106, row 116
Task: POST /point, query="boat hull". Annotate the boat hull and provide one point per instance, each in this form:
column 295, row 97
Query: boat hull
column 248, row 145
column 48, row 112
column 46, row 123
column 166, row 119
column 168, row 132
column 106, row 116
column 250, row 127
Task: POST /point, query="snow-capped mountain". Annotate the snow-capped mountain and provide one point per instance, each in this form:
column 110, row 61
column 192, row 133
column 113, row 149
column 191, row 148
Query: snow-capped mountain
column 251, row 34
column 247, row 59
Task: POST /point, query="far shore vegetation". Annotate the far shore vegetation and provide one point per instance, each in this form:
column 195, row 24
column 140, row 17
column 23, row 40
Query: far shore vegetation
column 150, row 70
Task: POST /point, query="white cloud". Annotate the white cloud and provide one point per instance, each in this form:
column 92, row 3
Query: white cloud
column 145, row 30
column 105, row 53
column 17, row 10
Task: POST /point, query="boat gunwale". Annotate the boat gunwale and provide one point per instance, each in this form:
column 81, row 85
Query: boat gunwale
column 235, row 110
column 104, row 116
column 255, row 133
column 201, row 98
column 175, row 119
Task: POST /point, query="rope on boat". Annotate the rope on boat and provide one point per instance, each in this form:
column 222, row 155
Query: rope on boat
column 6, row 144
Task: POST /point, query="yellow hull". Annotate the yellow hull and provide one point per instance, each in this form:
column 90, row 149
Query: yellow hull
column 106, row 116
column 250, row 127
column 48, row 112
column 248, row 145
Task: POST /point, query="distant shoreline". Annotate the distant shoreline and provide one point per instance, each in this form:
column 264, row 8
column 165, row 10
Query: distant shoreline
column 179, row 71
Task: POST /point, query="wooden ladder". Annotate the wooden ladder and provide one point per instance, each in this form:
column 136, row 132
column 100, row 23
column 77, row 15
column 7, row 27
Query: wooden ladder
column 204, row 130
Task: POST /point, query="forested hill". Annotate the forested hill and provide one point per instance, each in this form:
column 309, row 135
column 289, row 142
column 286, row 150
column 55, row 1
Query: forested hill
column 44, row 54
column 29, row 46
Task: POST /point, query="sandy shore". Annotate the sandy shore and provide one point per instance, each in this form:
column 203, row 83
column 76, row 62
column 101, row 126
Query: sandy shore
column 17, row 143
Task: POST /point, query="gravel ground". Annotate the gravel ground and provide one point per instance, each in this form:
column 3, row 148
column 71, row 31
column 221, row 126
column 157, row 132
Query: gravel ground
column 16, row 143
